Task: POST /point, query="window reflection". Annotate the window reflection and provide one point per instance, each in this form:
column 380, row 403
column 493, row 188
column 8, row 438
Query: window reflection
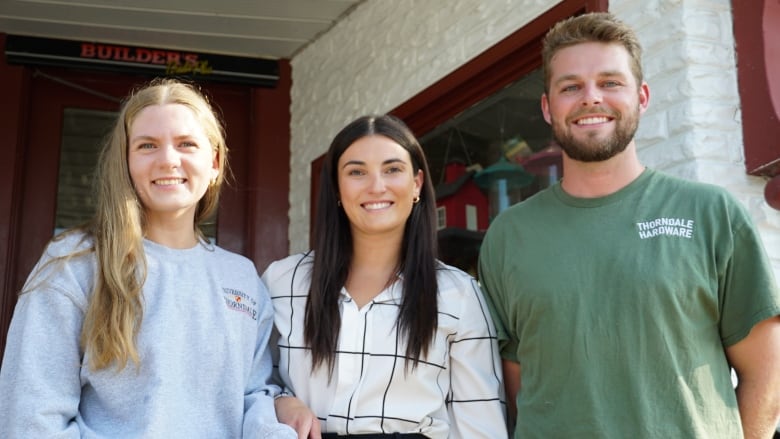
column 82, row 134
column 490, row 156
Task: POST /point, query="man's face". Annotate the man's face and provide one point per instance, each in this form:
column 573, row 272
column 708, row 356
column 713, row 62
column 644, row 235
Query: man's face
column 594, row 102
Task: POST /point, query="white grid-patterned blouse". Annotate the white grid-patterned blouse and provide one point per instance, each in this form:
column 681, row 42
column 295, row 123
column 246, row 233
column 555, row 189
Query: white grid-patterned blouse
column 455, row 392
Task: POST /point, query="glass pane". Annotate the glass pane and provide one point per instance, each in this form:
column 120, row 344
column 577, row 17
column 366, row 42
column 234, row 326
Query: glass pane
column 485, row 159
column 83, row 132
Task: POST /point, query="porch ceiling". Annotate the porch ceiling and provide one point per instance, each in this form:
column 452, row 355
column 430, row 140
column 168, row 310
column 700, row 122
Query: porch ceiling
column 253, row 28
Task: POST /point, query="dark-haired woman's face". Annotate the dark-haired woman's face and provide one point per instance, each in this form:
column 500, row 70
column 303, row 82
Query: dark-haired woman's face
column 377, row 185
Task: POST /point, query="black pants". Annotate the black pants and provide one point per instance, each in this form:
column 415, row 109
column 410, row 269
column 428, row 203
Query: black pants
column 376, row 436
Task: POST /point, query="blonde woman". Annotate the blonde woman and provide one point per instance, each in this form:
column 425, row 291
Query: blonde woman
column 134, row 325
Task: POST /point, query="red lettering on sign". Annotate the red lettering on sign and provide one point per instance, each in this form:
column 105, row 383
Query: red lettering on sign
column 158, row 57
column 144, row 55
column 87, row 50
column 123, row 54
column 173, row 58
column 103, row 52
column 176, row 62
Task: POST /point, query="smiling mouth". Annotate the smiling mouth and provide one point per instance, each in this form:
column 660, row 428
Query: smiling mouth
column 169, row 181
column 592, row 120
column 377, row 206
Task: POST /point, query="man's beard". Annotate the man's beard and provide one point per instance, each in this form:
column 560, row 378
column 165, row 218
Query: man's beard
column 593, row 149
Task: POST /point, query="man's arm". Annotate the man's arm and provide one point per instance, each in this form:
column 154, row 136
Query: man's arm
column 756, row 360
column 512, row 386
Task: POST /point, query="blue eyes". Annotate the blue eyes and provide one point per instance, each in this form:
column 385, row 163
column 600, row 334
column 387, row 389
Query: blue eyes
column 575, row 87
column 149, row 145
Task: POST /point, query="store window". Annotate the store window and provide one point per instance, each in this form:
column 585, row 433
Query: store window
column 485, row 159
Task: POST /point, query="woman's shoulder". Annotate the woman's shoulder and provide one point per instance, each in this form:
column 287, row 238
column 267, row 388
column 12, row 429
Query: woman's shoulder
column 460, row 296
column 453, row 280
column 291, row 263
column 290, row 272
column 68, row 243
column 66, row 265
column 229, row 257
column 73, row 249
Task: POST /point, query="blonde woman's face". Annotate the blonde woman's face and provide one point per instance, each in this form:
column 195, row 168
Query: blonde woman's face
column 171, row 162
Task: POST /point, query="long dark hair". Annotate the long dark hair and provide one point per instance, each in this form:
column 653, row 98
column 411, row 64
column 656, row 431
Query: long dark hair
column 417, row 316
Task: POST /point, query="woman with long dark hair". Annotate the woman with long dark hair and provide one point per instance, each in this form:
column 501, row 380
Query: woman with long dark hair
column 376, row 335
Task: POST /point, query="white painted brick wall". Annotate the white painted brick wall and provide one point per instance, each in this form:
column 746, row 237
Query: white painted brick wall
column 385, row 52
column 693, row 127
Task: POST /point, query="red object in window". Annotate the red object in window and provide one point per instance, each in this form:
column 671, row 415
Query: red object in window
column 458, row 191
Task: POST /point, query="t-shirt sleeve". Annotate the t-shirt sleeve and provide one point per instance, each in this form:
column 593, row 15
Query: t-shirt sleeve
column 748, row 290
column 493, row 289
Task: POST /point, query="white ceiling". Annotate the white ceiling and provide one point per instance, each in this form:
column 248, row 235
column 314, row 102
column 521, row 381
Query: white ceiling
column 253, row 28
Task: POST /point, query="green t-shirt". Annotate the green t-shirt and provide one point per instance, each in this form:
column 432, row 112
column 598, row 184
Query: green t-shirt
column 618, row 308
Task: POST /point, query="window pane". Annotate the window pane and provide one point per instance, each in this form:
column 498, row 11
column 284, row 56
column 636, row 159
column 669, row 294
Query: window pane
column 485, row 159
column 82, row 134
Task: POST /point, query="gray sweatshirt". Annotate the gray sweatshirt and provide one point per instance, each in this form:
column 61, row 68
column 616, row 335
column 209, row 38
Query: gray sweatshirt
column 203, row 346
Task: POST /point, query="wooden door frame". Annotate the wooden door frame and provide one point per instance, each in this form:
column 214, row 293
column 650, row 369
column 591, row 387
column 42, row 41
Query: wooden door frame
column 14, row 87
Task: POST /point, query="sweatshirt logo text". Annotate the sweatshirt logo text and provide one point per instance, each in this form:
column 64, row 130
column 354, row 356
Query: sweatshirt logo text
column 241, row 302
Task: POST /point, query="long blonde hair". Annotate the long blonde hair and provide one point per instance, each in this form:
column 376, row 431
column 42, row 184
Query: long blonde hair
column 115, row 309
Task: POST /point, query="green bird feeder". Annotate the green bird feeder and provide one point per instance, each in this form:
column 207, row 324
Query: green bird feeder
column 504, row 182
